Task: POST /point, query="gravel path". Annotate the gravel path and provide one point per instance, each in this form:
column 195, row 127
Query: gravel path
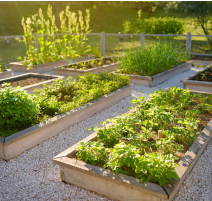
column 32, row 175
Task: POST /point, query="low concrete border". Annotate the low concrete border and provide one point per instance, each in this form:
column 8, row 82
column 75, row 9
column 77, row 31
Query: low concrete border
column 148, row 81
column 74, row 72
column 5, row 74
column 30, row 88
column 18, row 66
column 197, row 86
column 17, row 143
column 122, row 187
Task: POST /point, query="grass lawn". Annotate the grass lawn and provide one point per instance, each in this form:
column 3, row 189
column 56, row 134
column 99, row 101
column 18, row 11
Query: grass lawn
column 110, row 19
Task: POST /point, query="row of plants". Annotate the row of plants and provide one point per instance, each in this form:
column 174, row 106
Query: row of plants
column 151, row 60
column 131, row 144
column 20, row 110
column 92, row 63
column 51, row 46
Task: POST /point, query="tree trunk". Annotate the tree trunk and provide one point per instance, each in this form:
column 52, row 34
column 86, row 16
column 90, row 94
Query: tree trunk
column 57, row 14
column 150, row 10
column 205, row 31
column 140, row 4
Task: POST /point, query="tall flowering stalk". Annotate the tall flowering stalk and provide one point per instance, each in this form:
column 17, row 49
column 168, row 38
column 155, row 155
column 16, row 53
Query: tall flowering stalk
column 45, row 31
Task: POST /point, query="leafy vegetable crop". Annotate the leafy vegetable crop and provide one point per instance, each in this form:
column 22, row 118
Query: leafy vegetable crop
column 151, row 60
column 92, row 63
column 131, row 144
column 20, row 110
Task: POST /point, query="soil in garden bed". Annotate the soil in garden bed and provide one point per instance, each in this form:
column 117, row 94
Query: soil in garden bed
column 92, row 63
column 205, row 76
column 22, row 82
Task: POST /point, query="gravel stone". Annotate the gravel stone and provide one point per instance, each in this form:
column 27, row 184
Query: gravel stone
column 33, row 176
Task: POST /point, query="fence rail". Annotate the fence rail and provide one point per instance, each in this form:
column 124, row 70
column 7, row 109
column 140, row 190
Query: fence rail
column 121, row 36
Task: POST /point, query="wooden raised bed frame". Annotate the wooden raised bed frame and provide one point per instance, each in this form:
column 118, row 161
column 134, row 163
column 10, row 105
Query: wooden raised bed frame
column 122, row 187
column 39, row 85
column 74, row 72
column 148, row 81
column 18, row 66
column 5, row 74
column 197, row 86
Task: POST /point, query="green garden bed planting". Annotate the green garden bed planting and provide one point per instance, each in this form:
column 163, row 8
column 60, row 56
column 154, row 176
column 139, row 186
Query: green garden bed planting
column 20, row 110
column 148, row 143
column 151, row 60
column 92, row 63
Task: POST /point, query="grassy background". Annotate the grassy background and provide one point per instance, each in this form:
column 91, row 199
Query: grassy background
column 109, row 19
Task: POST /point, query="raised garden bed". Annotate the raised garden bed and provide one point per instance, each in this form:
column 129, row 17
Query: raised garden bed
column 84, row 103
column 200, row 63
column 104, row 181
column 5, row 74
column 30, row 81
column 19, row 67
column 199, row 82
column 151, row 81
column 95, row 66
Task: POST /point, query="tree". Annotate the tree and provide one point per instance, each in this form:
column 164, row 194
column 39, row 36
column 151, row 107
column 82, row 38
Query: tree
column 199, row 10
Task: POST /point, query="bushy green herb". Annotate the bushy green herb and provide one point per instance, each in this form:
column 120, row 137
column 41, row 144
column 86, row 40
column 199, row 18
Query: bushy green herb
column 149, row 61
column 17, row 109
column 132, row 140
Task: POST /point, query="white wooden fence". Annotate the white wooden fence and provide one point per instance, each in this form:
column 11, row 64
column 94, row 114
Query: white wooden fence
column 142, row 40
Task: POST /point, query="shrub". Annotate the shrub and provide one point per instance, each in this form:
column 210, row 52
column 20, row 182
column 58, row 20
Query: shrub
column 151, row 60
column 166, row 25
column 17, row 108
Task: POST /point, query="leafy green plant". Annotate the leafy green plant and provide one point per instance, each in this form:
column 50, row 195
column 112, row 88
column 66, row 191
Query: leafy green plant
column 149, row 61
column 3, row 67
column 92, row 152
column 18, row 109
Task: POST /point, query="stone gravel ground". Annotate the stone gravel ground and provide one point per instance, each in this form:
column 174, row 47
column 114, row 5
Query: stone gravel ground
column 33, row 176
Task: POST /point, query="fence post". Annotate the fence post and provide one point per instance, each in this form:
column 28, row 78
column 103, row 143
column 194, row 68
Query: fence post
column 121, row 37
column 102, row 44
column 188, row 45
column 142, row 39
column 36, row 44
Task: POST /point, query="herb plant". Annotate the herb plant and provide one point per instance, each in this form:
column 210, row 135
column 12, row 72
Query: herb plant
column 131, row 144
column 151, row 60
column 17, row 109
